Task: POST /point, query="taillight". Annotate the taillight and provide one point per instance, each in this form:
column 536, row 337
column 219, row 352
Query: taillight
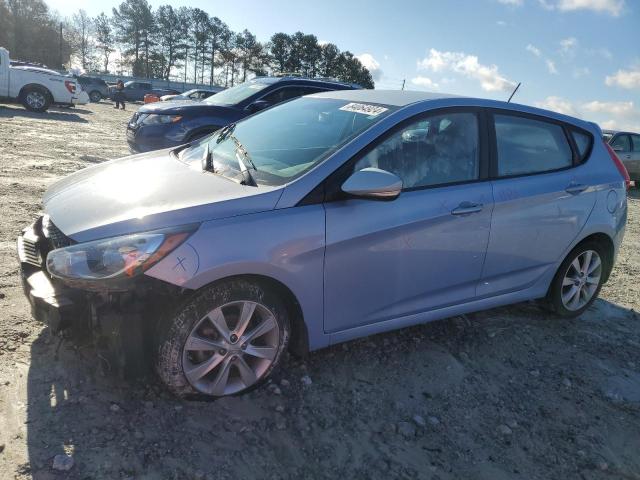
column 71, row 86
column 619, row 165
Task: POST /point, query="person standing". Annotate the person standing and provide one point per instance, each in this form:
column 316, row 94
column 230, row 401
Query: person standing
column 119, row 95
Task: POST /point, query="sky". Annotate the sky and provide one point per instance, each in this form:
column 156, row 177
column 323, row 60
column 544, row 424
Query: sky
column 579, row 57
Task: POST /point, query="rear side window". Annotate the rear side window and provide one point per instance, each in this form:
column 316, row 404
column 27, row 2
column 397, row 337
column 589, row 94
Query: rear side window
column 530, row 146
column 583, row 143
column 636, row 142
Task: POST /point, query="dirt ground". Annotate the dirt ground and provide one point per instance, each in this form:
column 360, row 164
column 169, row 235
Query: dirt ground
column 506, row 393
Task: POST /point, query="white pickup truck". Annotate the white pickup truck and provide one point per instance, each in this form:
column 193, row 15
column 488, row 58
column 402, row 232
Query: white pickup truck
column 38, row 88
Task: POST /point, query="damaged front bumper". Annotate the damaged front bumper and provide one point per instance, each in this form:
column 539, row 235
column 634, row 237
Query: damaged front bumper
column 51, row 302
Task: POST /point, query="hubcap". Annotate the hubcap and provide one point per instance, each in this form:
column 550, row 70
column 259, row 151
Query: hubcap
column 35, row 99
column 581, row 280
column 231, row 348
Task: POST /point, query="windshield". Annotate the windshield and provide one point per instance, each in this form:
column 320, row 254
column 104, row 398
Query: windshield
column 283, row 142
column 234, row 95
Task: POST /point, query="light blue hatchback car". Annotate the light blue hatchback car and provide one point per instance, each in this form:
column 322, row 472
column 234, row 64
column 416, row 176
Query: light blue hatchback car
column 320, row 220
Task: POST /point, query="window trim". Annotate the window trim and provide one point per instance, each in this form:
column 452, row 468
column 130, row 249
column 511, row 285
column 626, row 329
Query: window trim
column 493, row 142
column 330, row 187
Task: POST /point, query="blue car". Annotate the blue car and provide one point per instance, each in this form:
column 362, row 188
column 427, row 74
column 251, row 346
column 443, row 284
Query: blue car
column 169, row 124
column 323, row 219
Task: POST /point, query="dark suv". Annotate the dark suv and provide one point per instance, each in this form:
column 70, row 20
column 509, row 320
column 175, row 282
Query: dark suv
column 167, row 124
column 95, row 87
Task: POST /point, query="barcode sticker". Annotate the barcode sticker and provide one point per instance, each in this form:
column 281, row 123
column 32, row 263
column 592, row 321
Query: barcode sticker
column 364, row 108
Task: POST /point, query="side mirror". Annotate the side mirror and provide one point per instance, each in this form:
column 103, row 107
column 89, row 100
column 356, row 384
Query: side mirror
column 258, row 105
column 373, row 183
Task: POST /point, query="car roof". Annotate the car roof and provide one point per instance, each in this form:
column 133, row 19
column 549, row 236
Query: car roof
column 292, row 80
column 404, row 98
column 616, row 132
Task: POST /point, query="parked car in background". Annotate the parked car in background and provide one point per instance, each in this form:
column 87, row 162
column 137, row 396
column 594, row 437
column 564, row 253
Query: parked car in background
column 323, row 219
column 96, row 88
column 167, row 124
column 37, row 88
column 195, row 94
column 627, row 147
column 134, row 91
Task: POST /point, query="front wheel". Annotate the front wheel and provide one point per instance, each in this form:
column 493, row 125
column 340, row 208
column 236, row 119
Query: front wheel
column 226, row 340
column 95, row 96
column 578, row 280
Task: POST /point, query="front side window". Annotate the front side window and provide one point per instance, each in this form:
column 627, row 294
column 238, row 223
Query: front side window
column 283, row 142
column 435, row 150
column 636, row 142
column 528, row 146
column 621, row 143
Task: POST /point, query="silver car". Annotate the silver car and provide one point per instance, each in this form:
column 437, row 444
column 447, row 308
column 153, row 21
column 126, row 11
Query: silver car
column 627, row 147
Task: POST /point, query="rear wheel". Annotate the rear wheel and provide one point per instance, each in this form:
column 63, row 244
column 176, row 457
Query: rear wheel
column 35, row 99
column 578, row 280
column 225, row 341
column 95, row 96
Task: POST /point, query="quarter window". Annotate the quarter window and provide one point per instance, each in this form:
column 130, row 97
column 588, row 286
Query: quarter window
column 621, row 143
column 436, row 150
column 583, row 142
column 530, row 146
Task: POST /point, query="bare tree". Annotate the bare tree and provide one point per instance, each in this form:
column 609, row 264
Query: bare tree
column 83, row 43
column 104, row 39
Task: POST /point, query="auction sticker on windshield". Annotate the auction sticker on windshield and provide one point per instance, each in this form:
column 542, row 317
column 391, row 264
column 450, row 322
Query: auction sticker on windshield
column 364, row 108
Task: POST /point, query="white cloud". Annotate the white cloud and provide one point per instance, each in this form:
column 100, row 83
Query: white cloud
column 514, row 3
column 609, row 115
column 425, row 82
column 551, row 66
column 581, row 72
column 535, row 50
column 568, row 46
column 558, row 104
column 612, row 7
column 501, row 23
column 371, row 64
column 467, row 65
column 623, row 109
column 624, row 78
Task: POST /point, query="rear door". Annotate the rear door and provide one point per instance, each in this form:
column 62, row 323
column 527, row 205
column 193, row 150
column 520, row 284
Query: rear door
column 542, row 198
column 389, row 259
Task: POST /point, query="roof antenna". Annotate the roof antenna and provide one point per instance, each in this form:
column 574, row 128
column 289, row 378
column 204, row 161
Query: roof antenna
column 514, row 92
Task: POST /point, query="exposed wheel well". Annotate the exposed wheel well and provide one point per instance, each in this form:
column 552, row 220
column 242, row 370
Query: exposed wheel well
column 299, row 340
column 606, row 243
column 35, row 86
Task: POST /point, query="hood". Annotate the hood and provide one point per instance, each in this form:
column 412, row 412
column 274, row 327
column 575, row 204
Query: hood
column 146, row 192
column 182, row 108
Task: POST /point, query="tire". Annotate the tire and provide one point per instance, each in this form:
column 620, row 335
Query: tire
column 95, row 96
column 194, row 355
column 36, row 99
column 560, row 289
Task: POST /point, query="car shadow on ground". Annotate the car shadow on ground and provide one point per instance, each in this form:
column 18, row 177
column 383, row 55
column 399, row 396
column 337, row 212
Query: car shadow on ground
column 54, row 113
column 454, row 371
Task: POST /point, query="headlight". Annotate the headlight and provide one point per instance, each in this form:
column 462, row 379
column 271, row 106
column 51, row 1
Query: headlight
column 117, row 258
column 153, row 119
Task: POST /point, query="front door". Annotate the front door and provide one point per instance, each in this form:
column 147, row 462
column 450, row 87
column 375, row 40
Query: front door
column 426, row 248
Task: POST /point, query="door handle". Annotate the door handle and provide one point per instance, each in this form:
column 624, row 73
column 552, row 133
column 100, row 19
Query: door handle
column 465, row 208
column 627, row 156
column 575, row 189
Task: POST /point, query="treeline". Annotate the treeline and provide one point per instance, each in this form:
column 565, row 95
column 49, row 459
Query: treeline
column 173, row 43
column 32, row 33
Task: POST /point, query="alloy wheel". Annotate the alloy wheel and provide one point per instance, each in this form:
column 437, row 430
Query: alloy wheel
column 36, row 100
column 581, row 280
column 231, row 348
